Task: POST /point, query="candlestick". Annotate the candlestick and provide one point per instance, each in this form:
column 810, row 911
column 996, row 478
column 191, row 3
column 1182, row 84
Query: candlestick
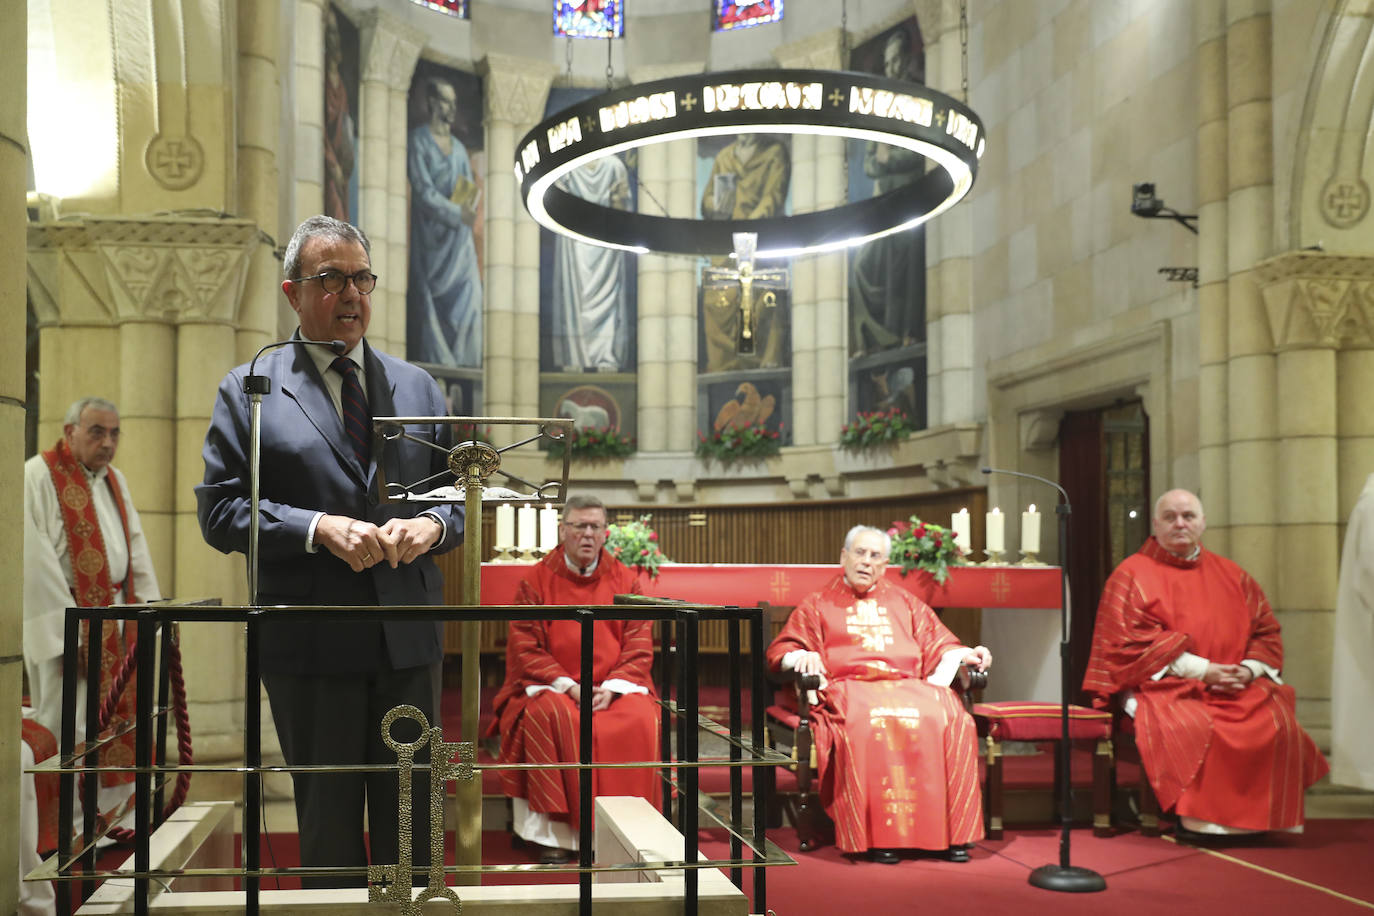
column 1030, row 530
column 505, row 527
column 963, row 541
column 548, row 528
column 524, row 518
column 996, row 531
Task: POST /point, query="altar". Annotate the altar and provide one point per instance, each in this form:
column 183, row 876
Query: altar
column 747, row 585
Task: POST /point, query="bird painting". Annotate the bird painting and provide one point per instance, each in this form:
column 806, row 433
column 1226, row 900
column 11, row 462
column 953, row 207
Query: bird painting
column 745, row 408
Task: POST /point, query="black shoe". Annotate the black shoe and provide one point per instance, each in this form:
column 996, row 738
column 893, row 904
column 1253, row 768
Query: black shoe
column 553, row 855
column 958, row 853
column 885, row 856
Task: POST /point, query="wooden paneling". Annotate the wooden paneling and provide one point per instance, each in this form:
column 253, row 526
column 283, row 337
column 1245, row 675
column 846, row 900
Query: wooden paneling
column 793, row 532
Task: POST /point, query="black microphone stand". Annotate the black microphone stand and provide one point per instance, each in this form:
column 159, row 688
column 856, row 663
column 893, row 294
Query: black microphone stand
column 255, row 386
column 1062, row 877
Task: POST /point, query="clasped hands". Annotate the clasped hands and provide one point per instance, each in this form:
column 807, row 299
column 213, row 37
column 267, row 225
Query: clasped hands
column 1227, row 678
column 362, row 544
column 601, row 697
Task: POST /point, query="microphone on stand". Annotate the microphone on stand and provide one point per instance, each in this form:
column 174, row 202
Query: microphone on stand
column 255, row 386
column 1062, row 877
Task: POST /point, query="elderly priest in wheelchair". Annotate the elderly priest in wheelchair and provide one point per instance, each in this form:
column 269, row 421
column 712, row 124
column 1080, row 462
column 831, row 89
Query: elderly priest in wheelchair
column 895, row 749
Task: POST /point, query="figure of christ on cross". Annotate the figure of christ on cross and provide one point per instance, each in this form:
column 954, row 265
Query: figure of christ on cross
column 719, row 282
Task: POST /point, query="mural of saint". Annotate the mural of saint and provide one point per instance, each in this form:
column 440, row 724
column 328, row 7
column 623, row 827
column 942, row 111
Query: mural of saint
column 749, row 179
column 591, row 327
column 340, row 125
column 444, row 299
column 887, row 276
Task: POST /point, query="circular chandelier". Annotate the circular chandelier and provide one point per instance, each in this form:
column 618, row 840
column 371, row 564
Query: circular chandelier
column 835, row 103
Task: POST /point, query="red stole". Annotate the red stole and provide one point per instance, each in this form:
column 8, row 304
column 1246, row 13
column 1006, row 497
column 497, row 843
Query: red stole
column 93, row 587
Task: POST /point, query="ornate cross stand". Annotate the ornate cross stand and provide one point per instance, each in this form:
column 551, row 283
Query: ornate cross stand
column 472, row 464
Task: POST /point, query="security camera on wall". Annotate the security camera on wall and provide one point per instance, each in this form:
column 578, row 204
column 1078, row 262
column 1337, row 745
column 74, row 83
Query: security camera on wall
column 1143, row 200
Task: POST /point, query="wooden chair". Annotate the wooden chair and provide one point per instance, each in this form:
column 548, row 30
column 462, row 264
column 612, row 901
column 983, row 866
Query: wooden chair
column 1147, row 804
column 1040, row 722
column 788, row 721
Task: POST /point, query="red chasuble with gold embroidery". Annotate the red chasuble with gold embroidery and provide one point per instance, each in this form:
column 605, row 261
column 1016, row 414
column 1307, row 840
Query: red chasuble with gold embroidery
column 94, row 588
column 897, row 756
column 1241, row 759
column 543, row 728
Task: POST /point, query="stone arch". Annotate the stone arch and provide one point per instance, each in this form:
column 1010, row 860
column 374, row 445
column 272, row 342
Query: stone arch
column 1331, row 199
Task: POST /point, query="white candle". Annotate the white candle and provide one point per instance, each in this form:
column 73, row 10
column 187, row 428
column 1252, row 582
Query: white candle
column 1030, row 530
column 548, row 528
column 505, row 526
column 524, row 519
column 959, row 522
column 996, row 531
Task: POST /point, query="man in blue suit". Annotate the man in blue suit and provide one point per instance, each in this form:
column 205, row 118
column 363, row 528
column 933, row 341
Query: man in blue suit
column 325, row 539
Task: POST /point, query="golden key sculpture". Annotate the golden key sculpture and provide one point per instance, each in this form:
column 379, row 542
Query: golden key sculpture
column 391, row 883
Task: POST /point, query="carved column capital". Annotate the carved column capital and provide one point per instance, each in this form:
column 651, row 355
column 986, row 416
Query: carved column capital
column 1314, row 299
column 390, row 48
column 109, row 271
column 516, row 87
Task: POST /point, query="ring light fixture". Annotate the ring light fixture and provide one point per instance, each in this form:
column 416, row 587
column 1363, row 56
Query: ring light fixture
column 834, row 103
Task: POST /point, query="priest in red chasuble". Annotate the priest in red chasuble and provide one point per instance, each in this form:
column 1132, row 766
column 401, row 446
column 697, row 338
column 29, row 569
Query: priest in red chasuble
column 896, row 751
column 1186, row 642
column 537, row 707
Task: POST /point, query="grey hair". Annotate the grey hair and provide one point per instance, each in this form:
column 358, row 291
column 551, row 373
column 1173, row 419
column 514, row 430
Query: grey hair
column 326, row 227
column 73, row 417
column 866, row 529
column 583, row 501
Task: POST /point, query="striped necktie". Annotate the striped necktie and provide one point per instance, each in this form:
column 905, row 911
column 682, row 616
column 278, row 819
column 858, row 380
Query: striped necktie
column 357, row 420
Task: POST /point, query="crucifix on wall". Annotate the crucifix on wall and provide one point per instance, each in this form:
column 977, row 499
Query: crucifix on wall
column 753, row 288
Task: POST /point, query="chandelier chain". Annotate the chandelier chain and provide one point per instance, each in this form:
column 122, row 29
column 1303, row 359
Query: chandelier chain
column 963, row 47
column 844, row 65
column 610, row 72
column 567, row 60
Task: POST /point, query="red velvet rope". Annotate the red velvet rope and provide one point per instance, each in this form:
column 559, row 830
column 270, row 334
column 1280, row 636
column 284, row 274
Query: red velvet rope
column 179, row 715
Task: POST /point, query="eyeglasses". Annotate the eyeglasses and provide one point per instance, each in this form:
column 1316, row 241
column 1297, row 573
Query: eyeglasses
column 585, row 527
column 333, row 281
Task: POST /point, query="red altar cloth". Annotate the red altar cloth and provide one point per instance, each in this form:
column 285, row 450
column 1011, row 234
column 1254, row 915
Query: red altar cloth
column 746, row 585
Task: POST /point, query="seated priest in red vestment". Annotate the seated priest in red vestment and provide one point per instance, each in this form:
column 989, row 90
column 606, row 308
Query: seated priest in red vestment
column 1186, row 642
column 537, row 707
column 896, row 752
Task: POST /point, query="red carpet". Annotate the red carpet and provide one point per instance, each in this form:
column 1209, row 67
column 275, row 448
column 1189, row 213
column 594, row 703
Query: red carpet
column 1145, row 876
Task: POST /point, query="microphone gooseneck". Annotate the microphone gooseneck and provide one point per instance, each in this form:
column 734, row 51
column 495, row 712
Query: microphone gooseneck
column 1044, row 480
column 255, row 386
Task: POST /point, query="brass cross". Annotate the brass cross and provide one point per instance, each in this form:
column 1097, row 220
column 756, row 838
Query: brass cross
column 719, row 282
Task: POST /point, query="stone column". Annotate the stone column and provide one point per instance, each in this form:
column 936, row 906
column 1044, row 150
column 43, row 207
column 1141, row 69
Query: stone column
column 389, row 51
column 1325, row 368
column 652, row 370
column 259, row 128
column 949, row 244
column 681, row 308
column 804, row 340
column 516, row 90
column 13, row 313
column 1212, row 295
column 307, row 197
column 144, row 312
column 819, row 298
column 1251, row 405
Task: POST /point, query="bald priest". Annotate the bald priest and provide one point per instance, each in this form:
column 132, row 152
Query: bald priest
column 1186, row 642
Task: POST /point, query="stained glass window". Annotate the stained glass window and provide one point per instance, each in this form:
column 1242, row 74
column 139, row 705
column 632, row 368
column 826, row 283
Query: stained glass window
column 589, row 18
column 740, row 14
column 457, row 8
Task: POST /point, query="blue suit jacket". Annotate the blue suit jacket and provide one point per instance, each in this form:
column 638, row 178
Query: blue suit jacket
column 307, row 466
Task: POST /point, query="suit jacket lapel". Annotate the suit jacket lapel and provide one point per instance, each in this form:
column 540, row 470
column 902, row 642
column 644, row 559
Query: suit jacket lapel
column 301, row 382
